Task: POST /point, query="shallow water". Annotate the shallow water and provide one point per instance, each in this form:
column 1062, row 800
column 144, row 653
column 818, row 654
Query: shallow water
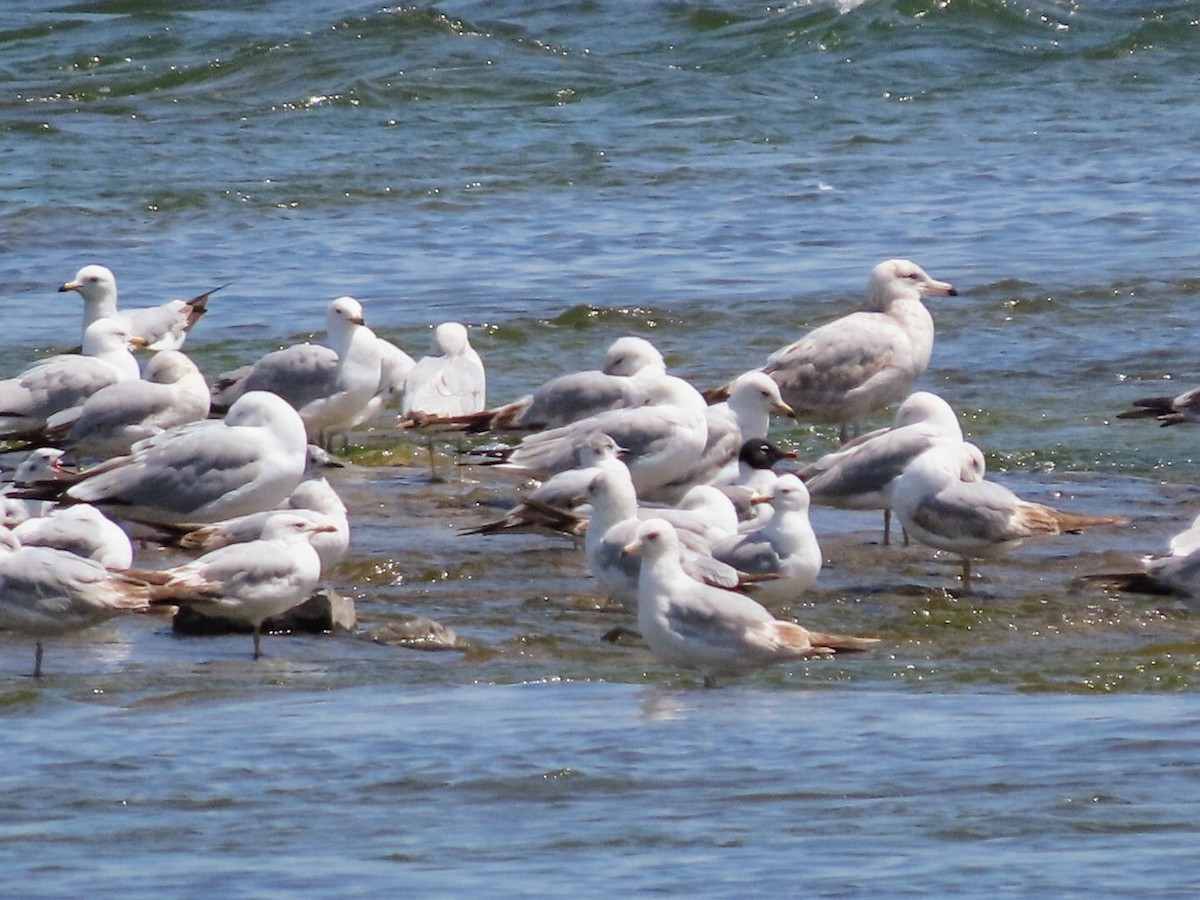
column 718, row 178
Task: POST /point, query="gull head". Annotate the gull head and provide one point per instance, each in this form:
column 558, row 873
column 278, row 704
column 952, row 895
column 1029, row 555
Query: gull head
column 895, row 279
column 759, row 453
column 93, row 283
column 344, row 312
column 291, row 527
column 789, row 494
column 629, row 355
column 450, row 339
column 655, row 538
column 756, row 390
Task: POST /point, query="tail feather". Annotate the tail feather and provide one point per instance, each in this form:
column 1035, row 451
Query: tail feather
column 533, row 515
column 842, row 643
column 198, row 305
column 1073, row 523
column 818, row 643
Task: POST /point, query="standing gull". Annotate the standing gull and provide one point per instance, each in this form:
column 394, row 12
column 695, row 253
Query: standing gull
column 943, row 501
column 717, row 631
column 330, row 385
column 46, row 592
column 163, row 327
column 247, row 583
column 863, row 473
column 844, row 370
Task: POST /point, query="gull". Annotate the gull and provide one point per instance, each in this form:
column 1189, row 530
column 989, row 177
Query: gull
column 40, row 476
column 449, row 382
column 45, row 592
column 717, row 631
column 943, row 501
column 172, row 391
column 204, row 471
column 249, row 582
column 1175, row 573
column 704, row 516
column 863, row 473
column 613, row 524
column 329, row 385
column 746, row 414
column 314, row 499
column 1174, row 410
column 163, row 327
column 631, row 365
column 80, row 529
column 785, row 545
column 662, row 441
column 60, row 382
column 844, row 370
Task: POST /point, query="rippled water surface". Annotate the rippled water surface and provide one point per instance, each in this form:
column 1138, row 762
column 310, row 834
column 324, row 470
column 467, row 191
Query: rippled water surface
column 718, row 177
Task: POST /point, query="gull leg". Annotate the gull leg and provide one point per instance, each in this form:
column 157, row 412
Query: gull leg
column 257, row 640
column 887, row 527
column 37, row 660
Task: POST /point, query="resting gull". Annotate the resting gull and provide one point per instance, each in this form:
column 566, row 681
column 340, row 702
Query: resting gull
column 60, row 382
column 784, row 546
column 449, row 382
column 172, row 391
column 205, row 471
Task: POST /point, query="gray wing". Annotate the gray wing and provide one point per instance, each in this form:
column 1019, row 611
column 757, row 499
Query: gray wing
column 751, row 553
column 181, row 475
column 54, row 384
column 868, row 469
column 574, row 397
column 299, row 374
column 980, row 511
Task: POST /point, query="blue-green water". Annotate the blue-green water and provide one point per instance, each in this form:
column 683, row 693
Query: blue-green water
column 718, row 177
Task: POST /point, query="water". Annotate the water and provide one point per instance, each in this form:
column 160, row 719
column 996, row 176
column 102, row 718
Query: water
column 718, row 177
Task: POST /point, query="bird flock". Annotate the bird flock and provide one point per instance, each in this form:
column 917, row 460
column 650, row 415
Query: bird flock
column 688, row 515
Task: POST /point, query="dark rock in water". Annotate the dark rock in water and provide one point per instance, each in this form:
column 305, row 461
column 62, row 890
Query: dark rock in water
column 324, row 611
column 418, row 633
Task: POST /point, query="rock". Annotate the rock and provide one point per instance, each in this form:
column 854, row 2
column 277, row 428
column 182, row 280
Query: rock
column 418, row 633
column 323, row 612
